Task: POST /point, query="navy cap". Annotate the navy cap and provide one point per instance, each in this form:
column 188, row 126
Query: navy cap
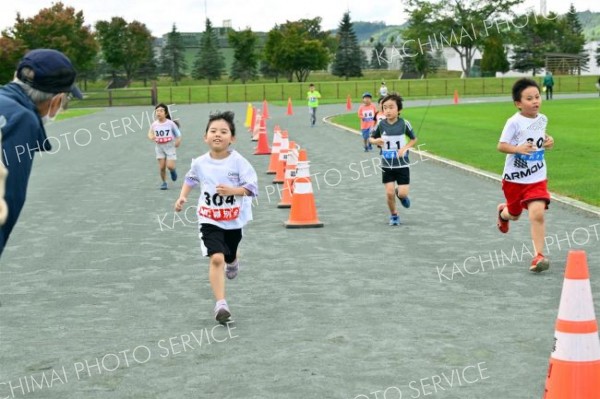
column 53, row 72
column 367, row 94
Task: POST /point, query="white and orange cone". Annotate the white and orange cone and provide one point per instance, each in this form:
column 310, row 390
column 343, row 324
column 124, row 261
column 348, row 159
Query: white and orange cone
column 574, row 370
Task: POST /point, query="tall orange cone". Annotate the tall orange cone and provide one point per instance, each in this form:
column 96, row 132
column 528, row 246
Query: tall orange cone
column 272, row 169
column 263, row 141
column 290, row 174
column 265, row 109
column 256, row 130
column 455, row 96
column 290, row 111
column 348, row 103
column 574, row 370
column 283, row 151
column 303, row 212
column 248, row 120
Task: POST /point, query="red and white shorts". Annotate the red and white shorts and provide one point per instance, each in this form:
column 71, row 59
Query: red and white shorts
column 518, row 196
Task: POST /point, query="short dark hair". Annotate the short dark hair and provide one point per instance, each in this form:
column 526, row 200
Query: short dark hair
column 226, row 116
column 520, row 85
column 395, row 97
column 312, row 84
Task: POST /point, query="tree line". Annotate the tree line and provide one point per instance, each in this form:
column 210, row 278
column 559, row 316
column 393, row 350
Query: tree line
column 293, row 49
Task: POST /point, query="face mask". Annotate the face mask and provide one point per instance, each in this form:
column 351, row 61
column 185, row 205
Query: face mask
column 46, row 119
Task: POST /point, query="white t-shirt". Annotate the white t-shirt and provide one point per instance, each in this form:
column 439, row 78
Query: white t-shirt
column 165, row 132
column 227, row 212
column 525, row 169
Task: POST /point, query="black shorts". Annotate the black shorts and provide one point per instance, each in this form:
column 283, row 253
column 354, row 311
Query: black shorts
column 215, row 240
column 399, row 175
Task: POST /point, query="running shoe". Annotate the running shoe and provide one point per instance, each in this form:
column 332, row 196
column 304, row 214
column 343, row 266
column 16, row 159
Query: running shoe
column 539, row 264
column 501, row 223
column 394, row 220
column 173, row 174
column 163, row 186
column 222, row 313
column 231, row 269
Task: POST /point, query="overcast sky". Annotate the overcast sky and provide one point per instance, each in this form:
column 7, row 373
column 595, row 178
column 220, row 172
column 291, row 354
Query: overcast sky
column 260, row 15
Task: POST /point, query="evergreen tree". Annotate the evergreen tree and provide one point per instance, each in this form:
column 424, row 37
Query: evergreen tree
column 379, row 57
column 572, row 39
column 209, row 62
column 245, row 57
column 348, row 57
column 172, row 59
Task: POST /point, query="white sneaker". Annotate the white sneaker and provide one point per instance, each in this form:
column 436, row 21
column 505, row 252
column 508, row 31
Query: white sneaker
column 222, row 313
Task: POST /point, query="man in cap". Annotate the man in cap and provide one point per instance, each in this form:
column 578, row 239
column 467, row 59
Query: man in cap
column 43, row 82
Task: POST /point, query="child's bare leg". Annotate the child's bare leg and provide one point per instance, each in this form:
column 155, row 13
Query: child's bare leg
column 390, row 196
column 507, row 216
column 170, row 164
column 162, row 163
column 216, row 275
column 403, row 190
column 536, row 211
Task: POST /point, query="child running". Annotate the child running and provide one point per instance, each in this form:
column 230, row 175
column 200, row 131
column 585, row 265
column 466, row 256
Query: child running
column 395, row 136
column 165, row 133
column 524, row 139
column 366, row 114
column 227, row 180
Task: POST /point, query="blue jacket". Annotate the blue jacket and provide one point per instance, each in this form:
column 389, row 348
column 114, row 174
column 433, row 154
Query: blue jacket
column 22, row 135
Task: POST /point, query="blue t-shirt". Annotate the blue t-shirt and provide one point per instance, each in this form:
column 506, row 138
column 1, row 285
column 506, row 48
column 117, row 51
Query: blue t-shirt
column 22, row 135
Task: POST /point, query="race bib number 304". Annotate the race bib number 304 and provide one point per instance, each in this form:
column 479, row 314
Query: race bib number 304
column 219, row 208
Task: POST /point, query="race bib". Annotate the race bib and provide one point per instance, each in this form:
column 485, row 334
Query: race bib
column 536, row 156
column 389, row 154
column 219, row 208
column 163, row 140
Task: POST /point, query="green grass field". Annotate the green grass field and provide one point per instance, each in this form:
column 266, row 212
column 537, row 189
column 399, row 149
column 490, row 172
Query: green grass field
column 469, row 134
column 74, row 113
column 333, row 89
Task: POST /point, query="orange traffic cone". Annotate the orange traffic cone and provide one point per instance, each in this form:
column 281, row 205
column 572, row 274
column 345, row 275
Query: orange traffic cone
column 290, row 174
column 302, row 156
column 283, row 151
column 263, row 141
column 272, row 169
column 348, row 103
column 455, row 96
column 265, row 109
column 574, row 370
column 290, row 111
column 256, row 129
column 303, row 212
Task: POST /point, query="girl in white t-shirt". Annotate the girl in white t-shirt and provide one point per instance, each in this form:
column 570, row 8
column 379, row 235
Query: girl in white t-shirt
column 165, row 133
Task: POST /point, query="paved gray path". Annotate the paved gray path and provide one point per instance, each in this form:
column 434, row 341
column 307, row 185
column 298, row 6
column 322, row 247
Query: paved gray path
column 99, row 270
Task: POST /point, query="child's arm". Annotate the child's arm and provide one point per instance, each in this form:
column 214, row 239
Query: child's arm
column 376, row 137
column 548, row 142
column 150, row 134
column 249, row 182
column 408, row 145
column 223, row 189
column 185, row 191
column 524, row 149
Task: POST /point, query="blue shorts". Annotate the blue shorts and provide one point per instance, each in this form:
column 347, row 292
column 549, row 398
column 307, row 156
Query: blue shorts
column 366, row 133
